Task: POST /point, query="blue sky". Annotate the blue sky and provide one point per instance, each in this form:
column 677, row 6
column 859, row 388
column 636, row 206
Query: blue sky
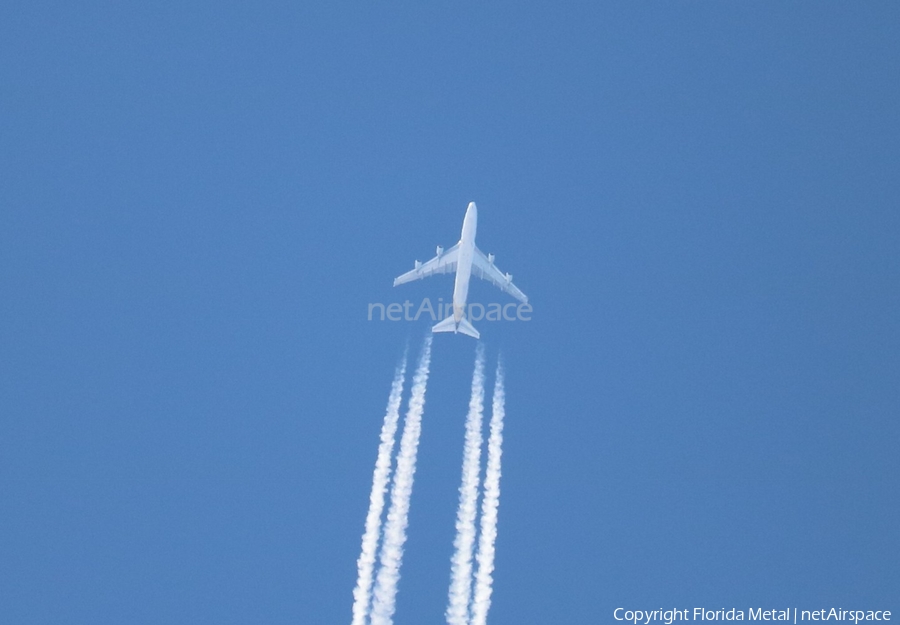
column 198, row 201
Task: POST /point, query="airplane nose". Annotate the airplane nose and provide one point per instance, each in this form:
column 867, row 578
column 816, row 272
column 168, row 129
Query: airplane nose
column 472, row 207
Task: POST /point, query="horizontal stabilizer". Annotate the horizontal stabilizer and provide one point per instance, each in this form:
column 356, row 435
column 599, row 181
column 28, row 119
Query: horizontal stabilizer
column 467, row 328
column 449, row 325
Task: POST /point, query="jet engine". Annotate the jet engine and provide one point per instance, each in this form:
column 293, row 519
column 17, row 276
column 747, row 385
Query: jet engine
column 418, row 265
column 440, row 250
column 491, row 258
column 508, row 278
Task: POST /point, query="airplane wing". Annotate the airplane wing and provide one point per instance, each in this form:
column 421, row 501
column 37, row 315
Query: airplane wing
column 444, row 262
column 483, row 267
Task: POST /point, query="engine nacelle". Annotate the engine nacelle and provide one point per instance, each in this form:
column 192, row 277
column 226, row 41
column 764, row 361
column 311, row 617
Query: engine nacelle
column 440, row 250
column 418, row 265
column 508, row 278
column 491, row 258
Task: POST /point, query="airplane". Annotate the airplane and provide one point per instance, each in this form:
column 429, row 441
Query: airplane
column 465, row 259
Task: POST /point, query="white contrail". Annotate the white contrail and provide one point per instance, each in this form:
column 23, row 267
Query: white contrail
column 397, row 517
column 483, row 578
column 363, row 592
column 461, row 563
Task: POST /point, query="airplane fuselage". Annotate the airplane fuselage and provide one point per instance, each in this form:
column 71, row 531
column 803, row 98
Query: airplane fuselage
column 464, row 263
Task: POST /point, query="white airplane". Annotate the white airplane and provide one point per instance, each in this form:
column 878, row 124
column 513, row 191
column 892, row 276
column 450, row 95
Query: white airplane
column 465, row 259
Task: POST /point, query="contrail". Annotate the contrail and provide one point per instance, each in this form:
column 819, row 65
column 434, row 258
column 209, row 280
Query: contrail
column 397, row 517
column 461, row 563
column 483, row 578
column 363, row 592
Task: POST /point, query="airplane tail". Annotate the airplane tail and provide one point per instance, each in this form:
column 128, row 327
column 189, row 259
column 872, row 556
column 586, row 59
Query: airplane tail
column 449, row 325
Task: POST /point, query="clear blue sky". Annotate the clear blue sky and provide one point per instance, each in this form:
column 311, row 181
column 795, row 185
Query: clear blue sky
column 199, row 200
